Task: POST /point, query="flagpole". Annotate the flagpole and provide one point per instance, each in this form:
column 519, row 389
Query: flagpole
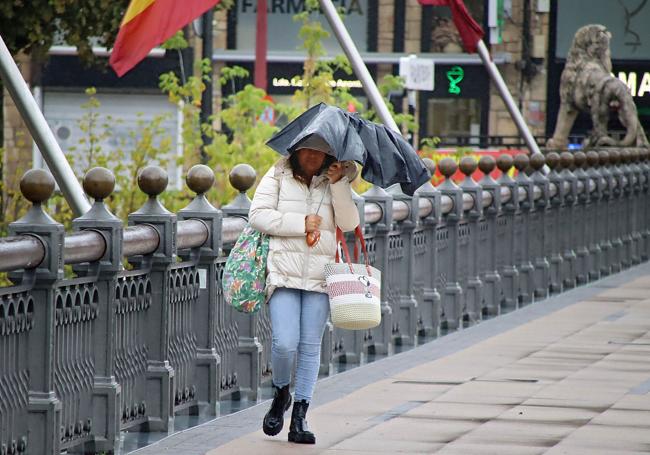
column 358, row 65
column 206, row 96
column 494, row 73
column 41, row 132
column 261, row 45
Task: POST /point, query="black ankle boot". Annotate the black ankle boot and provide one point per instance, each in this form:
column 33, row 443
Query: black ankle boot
column 274, row 419
column 298, row 431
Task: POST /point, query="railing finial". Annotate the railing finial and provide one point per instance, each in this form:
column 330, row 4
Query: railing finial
column 152, row 180
column 566, row 160
column 580, row 160
column 37, row 185
column 537, row 161
column 468, row 165
column 200, row 179
column 447, row 167
column 242, row 177
column 99, row 183
column 552, row 160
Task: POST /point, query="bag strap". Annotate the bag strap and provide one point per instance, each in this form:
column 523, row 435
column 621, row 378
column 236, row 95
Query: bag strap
column 358, row 236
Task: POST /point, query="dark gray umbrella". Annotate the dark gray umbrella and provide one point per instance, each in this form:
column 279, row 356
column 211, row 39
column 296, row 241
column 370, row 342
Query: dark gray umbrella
column 386, row 157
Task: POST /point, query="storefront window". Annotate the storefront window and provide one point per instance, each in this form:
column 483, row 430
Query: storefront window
column 449, row 117
column 283, row 29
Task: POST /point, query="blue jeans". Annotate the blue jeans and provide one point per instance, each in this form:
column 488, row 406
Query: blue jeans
column 298, row 320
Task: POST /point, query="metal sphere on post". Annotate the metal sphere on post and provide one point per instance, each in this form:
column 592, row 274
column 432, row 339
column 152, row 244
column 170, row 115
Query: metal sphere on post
column 552, row 160
column 200, row 179
column 566, row 160
column 242, row 178
column 468, row 165
column 487, row 164
column 99, row 183
column 504, row 163
column 537, row 161
column 592, row 158
column 153, row 180
column 521, row 162
column 37, row 186
column 447, row 167
column 580, row 160
column 603, row 158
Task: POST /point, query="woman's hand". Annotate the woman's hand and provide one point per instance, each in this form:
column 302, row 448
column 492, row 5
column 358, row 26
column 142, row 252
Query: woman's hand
column 335, row 172
column 312, row 223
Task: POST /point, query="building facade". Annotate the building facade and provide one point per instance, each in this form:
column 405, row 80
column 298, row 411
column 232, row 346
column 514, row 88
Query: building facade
column 463, row 109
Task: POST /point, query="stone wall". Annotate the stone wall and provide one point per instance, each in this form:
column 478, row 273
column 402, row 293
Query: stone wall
column 530, row 94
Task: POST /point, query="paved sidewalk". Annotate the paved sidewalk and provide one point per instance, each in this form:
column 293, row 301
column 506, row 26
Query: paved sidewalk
column 567, row 375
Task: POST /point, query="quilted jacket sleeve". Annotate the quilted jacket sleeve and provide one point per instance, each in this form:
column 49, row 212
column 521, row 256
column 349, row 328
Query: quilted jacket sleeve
column 346, row 214
column 264, row 215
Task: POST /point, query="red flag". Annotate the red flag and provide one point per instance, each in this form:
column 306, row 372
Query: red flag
column 470, row 32
column 147, row 24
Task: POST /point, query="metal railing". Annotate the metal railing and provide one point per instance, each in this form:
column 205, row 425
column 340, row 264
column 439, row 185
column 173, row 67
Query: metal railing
column 85, row 358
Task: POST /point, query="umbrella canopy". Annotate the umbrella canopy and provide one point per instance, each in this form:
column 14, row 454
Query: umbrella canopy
column 386, row 157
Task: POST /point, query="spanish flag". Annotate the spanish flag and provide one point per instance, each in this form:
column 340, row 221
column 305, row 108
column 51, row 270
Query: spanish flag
column 147, row 24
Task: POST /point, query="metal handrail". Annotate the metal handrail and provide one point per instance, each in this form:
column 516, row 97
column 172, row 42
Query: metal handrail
column 27, row 251
column 191, row 234
column 20, row 252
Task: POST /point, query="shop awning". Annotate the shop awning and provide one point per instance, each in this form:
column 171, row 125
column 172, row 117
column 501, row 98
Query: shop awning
column 222, row 55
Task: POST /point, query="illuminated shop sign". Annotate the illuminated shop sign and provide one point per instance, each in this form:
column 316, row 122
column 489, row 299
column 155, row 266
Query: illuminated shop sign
column 297, row 82
column 637, row 83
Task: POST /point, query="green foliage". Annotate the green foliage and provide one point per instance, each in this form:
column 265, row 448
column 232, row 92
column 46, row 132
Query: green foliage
column 176, row 42
column 32, row 26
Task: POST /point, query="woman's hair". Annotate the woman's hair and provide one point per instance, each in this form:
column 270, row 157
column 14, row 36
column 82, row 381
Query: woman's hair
column 299, row 174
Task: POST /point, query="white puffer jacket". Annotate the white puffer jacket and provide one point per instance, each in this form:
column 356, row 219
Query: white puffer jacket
column 279, row 208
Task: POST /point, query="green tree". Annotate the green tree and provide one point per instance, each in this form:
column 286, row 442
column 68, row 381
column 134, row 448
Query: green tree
column 32, row 26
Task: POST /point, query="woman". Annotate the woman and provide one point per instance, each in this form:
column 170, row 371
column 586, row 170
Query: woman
column 284, row 207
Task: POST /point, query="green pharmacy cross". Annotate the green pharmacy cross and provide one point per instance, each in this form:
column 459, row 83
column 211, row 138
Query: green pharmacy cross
column 455, row 75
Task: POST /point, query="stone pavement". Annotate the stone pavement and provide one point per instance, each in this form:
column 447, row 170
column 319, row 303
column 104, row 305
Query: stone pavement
column 567, row 375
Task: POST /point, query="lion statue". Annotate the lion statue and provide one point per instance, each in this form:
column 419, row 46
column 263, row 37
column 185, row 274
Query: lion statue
column 587, row 85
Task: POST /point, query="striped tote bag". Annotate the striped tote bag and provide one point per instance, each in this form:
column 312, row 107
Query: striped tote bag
column 354, row 289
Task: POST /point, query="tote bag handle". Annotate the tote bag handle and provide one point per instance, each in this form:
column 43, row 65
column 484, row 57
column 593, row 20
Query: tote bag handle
column 358, row 236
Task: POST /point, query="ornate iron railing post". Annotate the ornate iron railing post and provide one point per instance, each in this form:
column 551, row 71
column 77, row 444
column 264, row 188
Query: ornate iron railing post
column 627, row 204
column 160, row 383
column 31, row 308
column 555, row 232
column 645, row 212
column 567, row 214
column 254, row 335
column 400, row 274
column 593, row 219
column 539, row 223
column 426, row 259
column 471, row 274
column 99, row 183
column 200, row 179
column 506, row 234
column 447, row 243
column 380, row 338
column 616, row 211
column 636, row 206
column 488, row 240
column 605, row 213
column 583, row 212
column 522, row 230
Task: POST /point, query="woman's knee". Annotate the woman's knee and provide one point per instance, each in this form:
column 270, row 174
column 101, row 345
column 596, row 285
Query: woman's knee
column 284, row 344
